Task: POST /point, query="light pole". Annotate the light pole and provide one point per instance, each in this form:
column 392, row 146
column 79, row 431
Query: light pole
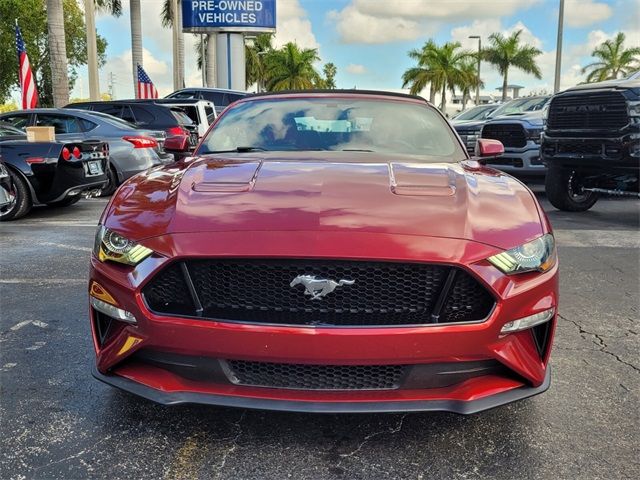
column 479, row 54
column 556, row 83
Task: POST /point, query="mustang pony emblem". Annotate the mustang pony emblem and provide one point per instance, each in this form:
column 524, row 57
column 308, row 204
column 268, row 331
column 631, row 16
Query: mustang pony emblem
column 318, row 287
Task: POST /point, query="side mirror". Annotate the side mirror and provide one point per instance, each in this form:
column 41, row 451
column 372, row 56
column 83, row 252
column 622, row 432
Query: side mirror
column 486, row 148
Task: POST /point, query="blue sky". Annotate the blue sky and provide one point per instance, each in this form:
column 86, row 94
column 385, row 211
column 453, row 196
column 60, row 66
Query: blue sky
column 368, row 40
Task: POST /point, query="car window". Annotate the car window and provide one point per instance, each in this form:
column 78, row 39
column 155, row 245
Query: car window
column 127, row 114
column 335, row 124
column 519, row 105
column 234, row 98
column 61, row 123
column 115, row 121
column 115, row 110
column 181, row 117
column 192, row 112
column 476, row 113
column 184, row 94
column 216, row 97
column 18, row 121
column 142, row 115
column 208, row 111
column 87, row 125
column 4, row 131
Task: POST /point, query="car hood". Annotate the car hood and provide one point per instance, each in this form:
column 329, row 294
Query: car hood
column 327, row 191
column 536, row 117
column 468, row 124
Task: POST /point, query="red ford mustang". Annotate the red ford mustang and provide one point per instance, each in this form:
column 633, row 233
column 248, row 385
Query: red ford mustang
column 326, row 252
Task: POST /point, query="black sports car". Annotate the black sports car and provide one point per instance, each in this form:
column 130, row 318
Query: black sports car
column 51, row 173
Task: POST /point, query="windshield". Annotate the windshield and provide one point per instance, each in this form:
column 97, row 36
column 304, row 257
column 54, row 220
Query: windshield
column 336, row 124
column 476, row 113
column 520, row 105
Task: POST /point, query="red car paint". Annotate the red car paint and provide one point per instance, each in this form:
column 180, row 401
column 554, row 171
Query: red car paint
column 328, row 205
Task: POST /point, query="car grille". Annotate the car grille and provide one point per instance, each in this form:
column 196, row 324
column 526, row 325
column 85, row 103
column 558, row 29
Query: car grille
column 510, row 134
column 598, row 111
column 315, row 377
column 258, row 290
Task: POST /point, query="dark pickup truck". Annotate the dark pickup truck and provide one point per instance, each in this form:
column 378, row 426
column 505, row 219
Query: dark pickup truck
column 591, row 143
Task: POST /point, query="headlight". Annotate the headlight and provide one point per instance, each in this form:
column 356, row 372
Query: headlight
column 110, row 245
column 535, row 134
column 537, row 255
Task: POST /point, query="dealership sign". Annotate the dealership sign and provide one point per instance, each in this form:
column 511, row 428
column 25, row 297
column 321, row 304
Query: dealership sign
column 202, row 16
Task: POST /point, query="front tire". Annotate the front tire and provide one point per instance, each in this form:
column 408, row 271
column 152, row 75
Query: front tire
column 22, row 203
column 564, row 190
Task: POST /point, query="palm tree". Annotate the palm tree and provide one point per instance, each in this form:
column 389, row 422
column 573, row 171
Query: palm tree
column 469, row 81
column 613, row 60
column 167, row 20
column 329, row 81
column 114, row 7
column 210, row 65
column 438, row 66
column 136, row 41
column 291, row 68
column 255, row 60
column 506, row 52
column 57, row 53
column 422, row 75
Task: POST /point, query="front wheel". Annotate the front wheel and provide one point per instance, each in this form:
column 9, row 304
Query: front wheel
column 564, row 188
column 22, row 201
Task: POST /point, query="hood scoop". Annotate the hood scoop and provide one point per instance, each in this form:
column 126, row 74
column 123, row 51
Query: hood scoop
column 420, row 179
column 226, row 176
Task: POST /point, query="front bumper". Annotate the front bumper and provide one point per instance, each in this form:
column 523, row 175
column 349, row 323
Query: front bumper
column 526, row 370
column 520, row 161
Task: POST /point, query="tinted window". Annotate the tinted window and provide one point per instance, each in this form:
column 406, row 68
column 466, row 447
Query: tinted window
column 60, row 123
column 87, row 126
column 234, row 98
column 143, row 117
column 192, row 113
column 208, row 111
column 215, row 97
column 4, row 131
column 115, row 110
column 127, row 114
column 18, row 121
column 476, row 113
column 184, row 94
column 181, row 117
column 338, row 124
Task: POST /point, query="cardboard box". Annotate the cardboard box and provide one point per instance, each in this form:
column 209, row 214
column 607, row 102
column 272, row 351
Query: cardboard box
column 41, row 134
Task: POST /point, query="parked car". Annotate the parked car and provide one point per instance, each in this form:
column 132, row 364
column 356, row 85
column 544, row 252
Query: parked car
column 178, row 127
column 479, row 112
column 470, row 130
column 7, row 193
column 220, row 97
column 591, row 143
column 520, row 133
column 131, row 150
column 199, row 111
column 326, row 252
column 52, row 173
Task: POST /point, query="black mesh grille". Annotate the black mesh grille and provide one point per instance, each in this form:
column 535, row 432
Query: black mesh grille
column 510, row 134
column 258, row 290
column 597, row 111
column 316, row 377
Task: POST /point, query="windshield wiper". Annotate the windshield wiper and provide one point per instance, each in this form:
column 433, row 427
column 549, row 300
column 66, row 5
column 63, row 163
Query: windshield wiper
column 356, row 150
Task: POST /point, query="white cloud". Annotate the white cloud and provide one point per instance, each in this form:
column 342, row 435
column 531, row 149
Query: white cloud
column 159, row 71
column 353, row 26
column 383, row 21
column 293, row 25
column 356, row 69
column 582, row 13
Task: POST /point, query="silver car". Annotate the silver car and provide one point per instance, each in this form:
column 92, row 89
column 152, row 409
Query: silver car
column 131, row 150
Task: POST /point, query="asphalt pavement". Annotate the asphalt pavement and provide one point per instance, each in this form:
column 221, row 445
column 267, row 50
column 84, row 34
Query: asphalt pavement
column 56, row 421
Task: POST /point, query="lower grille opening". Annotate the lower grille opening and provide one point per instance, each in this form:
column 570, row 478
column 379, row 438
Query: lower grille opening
column 372, row 294
column 541, row 334
column 316, row 377
column 297, row 376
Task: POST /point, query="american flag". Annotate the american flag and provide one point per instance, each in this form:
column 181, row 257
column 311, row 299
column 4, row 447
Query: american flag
column 146, row 89
column 27, row 80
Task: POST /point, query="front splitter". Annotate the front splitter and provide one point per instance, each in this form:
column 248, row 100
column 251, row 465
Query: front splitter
column 454, row 406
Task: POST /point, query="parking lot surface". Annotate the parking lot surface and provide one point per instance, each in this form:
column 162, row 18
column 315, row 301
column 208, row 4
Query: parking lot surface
column 58, row 422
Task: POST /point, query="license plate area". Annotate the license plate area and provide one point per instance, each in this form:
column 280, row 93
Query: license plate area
column 93, row 168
